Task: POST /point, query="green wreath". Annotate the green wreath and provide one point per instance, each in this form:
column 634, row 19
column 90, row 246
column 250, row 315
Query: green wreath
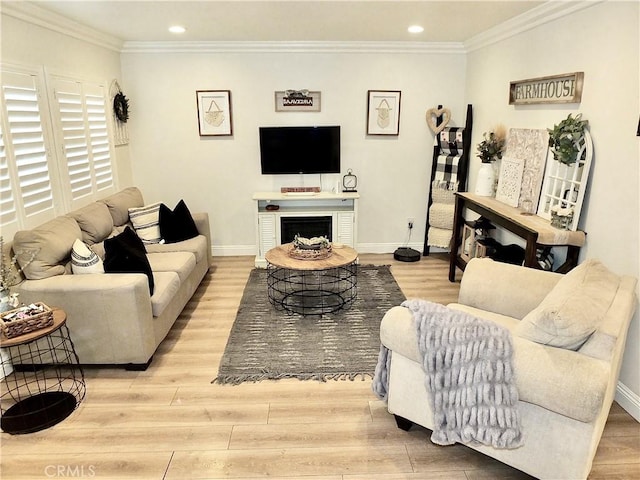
column 121, row 107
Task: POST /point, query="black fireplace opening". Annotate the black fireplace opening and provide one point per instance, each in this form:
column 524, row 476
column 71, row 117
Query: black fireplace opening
column 305, row 227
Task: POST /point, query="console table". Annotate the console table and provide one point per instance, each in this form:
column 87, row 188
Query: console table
column 534, row 229
column 272, row 207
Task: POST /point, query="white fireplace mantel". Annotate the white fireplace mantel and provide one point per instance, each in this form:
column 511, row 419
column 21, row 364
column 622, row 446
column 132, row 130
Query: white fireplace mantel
column 341, row 207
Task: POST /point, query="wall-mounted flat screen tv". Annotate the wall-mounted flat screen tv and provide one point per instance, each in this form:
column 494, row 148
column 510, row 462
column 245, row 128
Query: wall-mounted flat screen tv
column 293, row 150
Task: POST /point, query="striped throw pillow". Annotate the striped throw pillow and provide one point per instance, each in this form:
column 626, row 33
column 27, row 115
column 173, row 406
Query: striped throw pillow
column 85, row 260
column 145, row 222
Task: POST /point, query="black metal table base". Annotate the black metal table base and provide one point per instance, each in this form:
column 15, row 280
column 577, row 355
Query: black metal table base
column 42, row 383
column 312, row 292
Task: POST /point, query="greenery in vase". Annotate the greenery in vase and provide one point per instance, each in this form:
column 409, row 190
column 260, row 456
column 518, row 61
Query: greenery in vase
column 564, row 137
column 490, row 149
column 9, row 269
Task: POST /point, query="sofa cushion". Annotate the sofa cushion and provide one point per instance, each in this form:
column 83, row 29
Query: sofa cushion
column 125, row 253
column 197, row 246
column 120, row 203
column 95, row 221
column 145, row 222
column 177, row 225
column 84, row 260
column 182, row 263
column 51, row 242
column 573, row 309
column 167, row 286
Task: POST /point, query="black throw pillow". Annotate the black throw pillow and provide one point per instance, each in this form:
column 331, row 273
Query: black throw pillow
column 177, row 225
column 126, row 253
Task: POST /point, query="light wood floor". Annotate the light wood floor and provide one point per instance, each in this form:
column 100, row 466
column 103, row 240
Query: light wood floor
column 170, row 422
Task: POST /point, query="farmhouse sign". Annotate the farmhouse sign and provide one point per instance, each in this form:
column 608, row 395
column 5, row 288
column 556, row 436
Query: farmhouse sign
column 566, row 88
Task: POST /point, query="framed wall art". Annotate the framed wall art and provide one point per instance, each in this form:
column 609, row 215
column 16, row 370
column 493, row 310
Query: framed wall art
column 531, row 145
column 214, row 112
column 383, row 112
column 510, row 182
column 564, row 185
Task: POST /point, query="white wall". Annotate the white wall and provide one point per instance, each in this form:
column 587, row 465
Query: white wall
column 603, row 41
column 220, row 174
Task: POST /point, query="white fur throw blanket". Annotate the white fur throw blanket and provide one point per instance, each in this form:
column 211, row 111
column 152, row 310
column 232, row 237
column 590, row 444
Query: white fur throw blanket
column 469, row 376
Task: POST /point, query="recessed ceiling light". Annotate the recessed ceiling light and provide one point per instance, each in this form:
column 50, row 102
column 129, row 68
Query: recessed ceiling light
column 415, row 29
column 177, row 29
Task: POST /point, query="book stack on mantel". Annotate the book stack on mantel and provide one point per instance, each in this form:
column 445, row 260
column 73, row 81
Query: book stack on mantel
column 300, row 190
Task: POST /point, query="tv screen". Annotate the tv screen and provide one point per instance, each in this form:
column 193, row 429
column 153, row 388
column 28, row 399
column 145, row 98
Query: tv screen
column 293, row 150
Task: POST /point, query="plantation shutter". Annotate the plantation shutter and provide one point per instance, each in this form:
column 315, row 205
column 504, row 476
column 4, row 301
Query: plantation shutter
column 84, row 137
column 99, row 138
column 26, row 196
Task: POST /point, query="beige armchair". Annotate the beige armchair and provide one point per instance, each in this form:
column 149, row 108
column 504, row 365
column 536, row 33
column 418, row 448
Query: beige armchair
column 565, row 391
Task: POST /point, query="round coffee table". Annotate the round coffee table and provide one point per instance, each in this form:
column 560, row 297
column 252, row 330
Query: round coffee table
column 312, row 287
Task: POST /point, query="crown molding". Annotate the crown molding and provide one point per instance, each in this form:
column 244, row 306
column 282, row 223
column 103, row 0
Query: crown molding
column 33, row 14
column 294, row 47
column 545, row 13
column 535, row 17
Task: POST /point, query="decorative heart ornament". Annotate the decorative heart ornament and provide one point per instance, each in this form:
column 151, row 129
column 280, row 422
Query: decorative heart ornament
column 433, row 114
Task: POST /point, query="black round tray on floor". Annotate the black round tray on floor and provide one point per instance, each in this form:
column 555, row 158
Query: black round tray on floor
column 41, row 380
column 38, row 412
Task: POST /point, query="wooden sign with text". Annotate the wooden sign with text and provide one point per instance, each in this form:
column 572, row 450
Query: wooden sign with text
column 566, row 88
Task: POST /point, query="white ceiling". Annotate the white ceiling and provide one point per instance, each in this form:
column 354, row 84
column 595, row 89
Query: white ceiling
column 290, row 21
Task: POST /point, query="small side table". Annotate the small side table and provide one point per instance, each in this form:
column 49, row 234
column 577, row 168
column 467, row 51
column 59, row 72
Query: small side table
column 43, row 382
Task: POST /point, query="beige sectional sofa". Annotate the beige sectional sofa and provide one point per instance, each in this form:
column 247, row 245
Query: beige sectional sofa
column 566, row 390
column 112, row 317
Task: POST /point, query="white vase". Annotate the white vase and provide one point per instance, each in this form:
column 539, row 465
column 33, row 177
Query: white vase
column 485, row 181
column 5, row 300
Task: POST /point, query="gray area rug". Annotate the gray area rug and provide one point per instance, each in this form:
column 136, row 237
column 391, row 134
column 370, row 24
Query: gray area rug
column 265, row 344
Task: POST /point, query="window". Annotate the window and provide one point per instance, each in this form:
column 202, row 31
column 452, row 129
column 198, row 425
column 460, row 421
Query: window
column 26, row 196
column 49, row 169
column 80, row 120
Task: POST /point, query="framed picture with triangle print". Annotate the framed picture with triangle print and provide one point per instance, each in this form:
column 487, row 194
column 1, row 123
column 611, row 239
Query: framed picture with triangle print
column 383, row 112
column 214, row 112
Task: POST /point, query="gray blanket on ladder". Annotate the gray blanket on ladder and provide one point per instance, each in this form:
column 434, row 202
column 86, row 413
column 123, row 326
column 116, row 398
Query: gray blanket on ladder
column 469, row 375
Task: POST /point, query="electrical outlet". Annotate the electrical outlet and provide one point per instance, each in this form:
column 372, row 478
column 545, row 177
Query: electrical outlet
column 410, row 223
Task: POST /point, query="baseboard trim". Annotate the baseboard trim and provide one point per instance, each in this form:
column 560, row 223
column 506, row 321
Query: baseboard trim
column 233, row 250
column 628, row 400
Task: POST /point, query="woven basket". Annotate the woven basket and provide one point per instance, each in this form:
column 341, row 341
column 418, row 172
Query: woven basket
column 563, row 222
column 21, row 326
column 309, row 254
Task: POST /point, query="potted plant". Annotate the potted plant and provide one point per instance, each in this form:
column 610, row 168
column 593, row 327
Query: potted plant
column 564, row 138
column 491, row 147
column 489, row 150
